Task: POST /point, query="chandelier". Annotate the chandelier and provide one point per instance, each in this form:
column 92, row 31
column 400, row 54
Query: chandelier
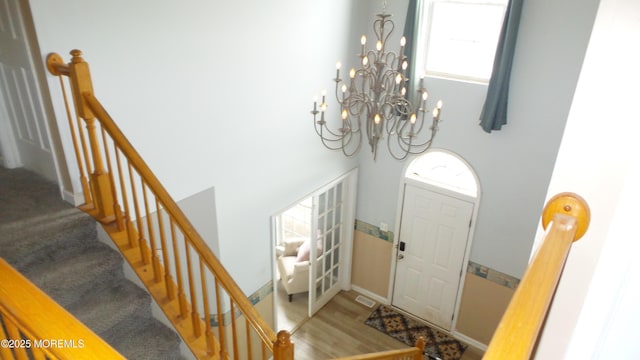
column 375, row 98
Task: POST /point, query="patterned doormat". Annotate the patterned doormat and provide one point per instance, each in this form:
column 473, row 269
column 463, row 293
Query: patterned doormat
column 439, row 346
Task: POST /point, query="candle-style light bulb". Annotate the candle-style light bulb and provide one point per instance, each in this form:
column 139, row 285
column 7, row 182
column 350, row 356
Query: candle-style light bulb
column 405, row 65
column 344, row 88
column 436, row 113
column 403, row 41
column 439, row 104
column 379, row 45
column 365, row 61
column 425, row 95
column 344, row 114
column 352, row 73
column 413, row 119
column 338, row 65
column 376, row 119
column 398, row 79
column 403, row 91
column 363, row 40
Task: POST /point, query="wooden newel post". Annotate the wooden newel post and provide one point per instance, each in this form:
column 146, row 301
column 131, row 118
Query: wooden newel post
column 421, row 343
column 80, row 79
column 283, row 347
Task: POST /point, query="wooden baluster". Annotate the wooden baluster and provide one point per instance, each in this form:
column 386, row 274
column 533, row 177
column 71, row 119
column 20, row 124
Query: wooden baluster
column 221, row 332
column 56, row 66
column 283, row 347
column 195, row 318
column 87, row 160
column 420, row 344
column 155, row 261
column 5, row 352
column 234, row 330
column 247, row 326
column 264, row 352
column 81, row 84
column 211, row 348
column 38, row 354
column 128, row 226
column 165, row 255
column 144, row 250
column 114, row 192
column 182, row 299
column 20, row 353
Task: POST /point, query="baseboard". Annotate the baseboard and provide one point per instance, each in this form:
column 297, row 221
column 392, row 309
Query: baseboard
column 75, row 199
column 467, row 340
column 371, row 295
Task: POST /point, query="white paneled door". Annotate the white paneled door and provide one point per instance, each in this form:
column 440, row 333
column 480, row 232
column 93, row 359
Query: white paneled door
column 24, row 139
column 330, row 257
column 433, row 237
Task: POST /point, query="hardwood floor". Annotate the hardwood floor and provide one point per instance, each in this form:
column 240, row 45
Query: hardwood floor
column 291, row 314
column 338, row 329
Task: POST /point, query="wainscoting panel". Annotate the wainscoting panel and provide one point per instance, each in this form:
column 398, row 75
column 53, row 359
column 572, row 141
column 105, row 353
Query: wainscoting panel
column 483, row 303
column 371, row 266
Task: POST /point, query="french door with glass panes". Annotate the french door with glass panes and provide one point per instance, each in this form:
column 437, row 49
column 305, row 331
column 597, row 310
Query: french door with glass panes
column 332, row 224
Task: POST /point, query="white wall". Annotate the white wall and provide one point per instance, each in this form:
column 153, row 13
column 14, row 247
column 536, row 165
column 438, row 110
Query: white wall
column 218, row 95
column 514, row 165
column 598, row 160
column 213, row 94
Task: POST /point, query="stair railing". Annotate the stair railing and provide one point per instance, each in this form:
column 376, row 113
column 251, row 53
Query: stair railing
column 34, row 326
column 565, row 218
column 413, row 353
column 186, row 279
column 206, row 306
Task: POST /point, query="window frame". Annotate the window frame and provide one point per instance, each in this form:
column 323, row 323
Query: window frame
column 425, row 23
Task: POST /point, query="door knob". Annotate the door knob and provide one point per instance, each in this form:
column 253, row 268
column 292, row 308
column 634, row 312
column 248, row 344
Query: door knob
column 400, row 256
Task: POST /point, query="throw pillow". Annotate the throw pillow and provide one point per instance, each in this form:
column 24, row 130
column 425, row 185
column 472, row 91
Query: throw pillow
column 304, row 251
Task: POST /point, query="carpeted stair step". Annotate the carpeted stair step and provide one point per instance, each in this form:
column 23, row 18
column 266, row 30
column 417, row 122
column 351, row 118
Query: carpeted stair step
column 144, row 338
column 73, row 278
column 55, row 245
column 61, row 235
column 105, row 309
column 25, row 195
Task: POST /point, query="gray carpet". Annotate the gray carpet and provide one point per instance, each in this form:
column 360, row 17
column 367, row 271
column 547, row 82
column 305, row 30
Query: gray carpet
column 55, row 245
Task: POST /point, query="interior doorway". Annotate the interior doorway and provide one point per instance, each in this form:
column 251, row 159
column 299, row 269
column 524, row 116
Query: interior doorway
column 313, row 245
column 437, row 212
column 25, row 139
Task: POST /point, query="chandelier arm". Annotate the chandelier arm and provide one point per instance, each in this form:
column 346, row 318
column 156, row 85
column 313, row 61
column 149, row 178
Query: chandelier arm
column 393, row 154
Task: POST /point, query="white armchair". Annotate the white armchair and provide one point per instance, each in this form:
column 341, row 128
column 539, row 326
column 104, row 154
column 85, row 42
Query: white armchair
column 293, row 267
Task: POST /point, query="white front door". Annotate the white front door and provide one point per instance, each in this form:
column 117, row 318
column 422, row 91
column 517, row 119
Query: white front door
column 24, row 137
column 433, row 237
column 332, row 227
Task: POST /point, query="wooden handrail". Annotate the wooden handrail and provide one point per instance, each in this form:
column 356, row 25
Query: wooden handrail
column 413, row 353
column 144, row 221
column 37, row 325
column 566, row 218
column 210, row 260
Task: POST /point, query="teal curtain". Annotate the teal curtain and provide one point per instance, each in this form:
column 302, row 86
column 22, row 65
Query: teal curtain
column 411, row 32
column 494, row 112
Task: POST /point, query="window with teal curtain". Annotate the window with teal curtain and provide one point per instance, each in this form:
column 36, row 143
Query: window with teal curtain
column 494, row 112
column 411, row 32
